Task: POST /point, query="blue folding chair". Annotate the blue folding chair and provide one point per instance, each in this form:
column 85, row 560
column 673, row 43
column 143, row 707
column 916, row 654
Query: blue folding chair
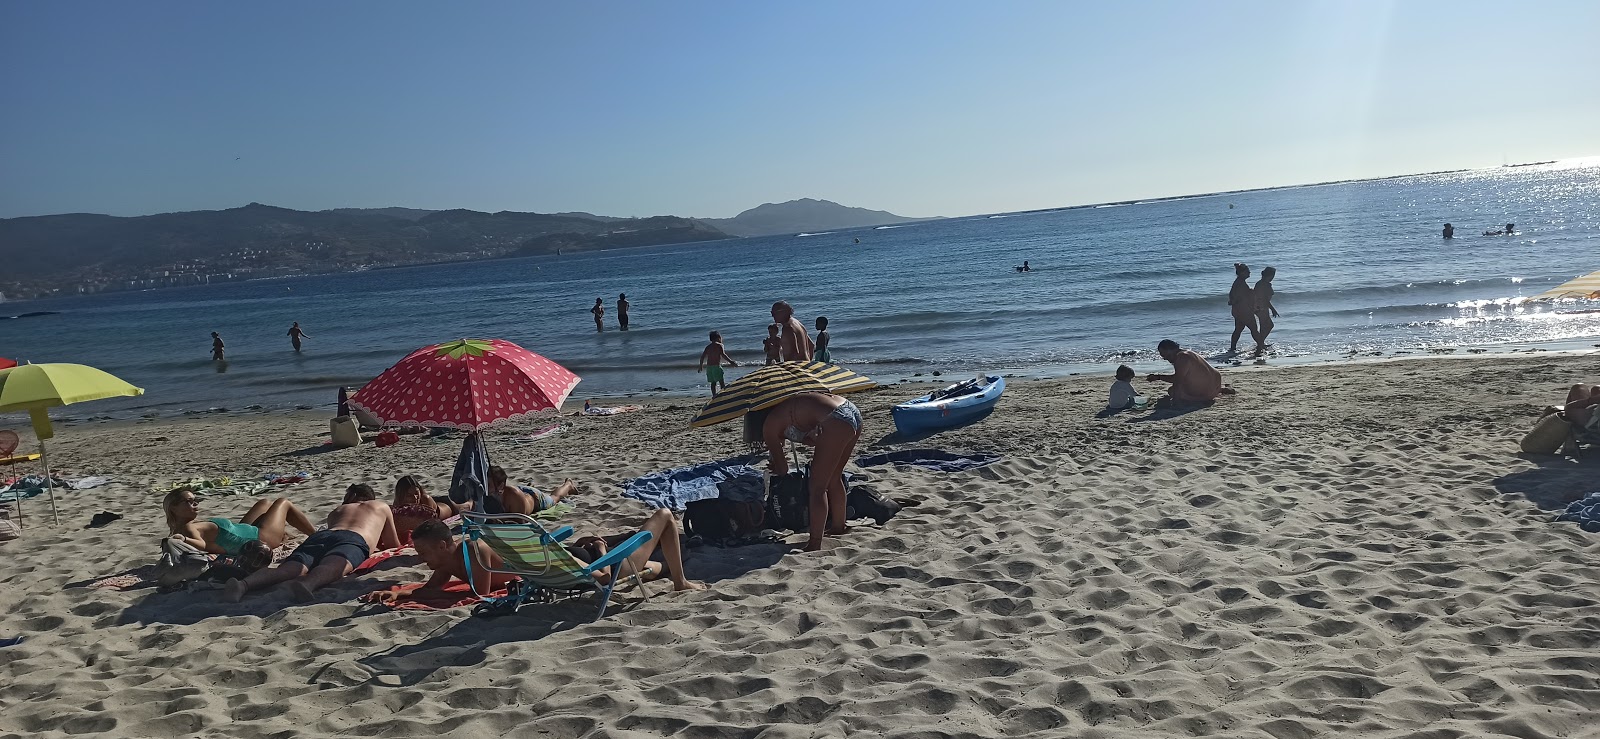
column 547, row 571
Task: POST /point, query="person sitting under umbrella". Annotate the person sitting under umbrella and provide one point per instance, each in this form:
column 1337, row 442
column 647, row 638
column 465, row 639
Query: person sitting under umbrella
column 525, row 500
column 830, row 423
column 412, row 506
column 266, row 522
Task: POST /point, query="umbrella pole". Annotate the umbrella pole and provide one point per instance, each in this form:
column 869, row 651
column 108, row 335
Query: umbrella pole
column 44, row 456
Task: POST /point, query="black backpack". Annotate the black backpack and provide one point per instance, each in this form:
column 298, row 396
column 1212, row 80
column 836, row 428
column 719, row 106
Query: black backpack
column 864, row 502
column 709, row 520
column 789, row 501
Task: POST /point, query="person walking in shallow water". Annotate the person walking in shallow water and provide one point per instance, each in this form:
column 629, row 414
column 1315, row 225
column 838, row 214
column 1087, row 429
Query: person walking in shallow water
column 599, row 311
column 1265, row 312
column 216, row 347
column 1242, row 301
column 622, row 311
column 295, row 335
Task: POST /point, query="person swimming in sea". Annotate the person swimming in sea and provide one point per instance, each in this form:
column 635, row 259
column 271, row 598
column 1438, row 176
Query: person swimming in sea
column 1025, row 267
column 1449, row 231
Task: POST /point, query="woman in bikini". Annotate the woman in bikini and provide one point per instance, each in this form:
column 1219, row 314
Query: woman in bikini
column 527, row 501
column 832, row 425
column 412, row 505
column 266, row 522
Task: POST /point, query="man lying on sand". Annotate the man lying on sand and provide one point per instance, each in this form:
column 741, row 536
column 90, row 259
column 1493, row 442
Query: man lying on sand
column 355, row 528
column 1193, row 379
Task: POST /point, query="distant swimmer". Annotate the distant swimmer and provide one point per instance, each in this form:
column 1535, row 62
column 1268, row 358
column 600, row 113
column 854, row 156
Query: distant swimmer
column 216, row 347
column 1025, row 267
column 599, row 311
column 858, row 241
column 295, row 335
column 1449, row 231
column 1510, row 229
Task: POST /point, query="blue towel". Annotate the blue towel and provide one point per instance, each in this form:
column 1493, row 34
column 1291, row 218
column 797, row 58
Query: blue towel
column 1584, row 512
column 937, row 460
column 677, row 488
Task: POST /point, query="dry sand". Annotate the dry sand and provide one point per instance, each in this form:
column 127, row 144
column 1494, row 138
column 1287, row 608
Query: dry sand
column 1350, row 550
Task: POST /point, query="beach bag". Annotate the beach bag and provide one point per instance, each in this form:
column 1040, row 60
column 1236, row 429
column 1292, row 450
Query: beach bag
column 253, row 556
column 708, row 519
column 1547, row 436
column 868, row 503
column 789, row 502
column 180, row 563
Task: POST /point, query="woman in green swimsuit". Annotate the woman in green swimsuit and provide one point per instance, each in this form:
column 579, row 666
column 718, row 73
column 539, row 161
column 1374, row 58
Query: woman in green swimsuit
column 265, row 522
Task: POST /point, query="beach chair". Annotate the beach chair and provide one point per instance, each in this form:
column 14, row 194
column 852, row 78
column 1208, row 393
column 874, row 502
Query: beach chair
column 547, row 570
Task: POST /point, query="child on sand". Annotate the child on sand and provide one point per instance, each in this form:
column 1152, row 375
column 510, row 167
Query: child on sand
column 711, row 360
column 773, row 344
column 822, row 354
column 1122, row 392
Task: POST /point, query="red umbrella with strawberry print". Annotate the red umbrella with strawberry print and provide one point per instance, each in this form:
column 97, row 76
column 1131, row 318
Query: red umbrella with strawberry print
column 470, row 385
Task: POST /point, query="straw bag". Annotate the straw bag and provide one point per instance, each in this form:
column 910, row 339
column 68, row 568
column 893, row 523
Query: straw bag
column 1547, row 436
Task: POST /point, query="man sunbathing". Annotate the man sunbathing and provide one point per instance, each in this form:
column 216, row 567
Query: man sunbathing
column 355, row 528
column 1193, row 379
column 441, row 552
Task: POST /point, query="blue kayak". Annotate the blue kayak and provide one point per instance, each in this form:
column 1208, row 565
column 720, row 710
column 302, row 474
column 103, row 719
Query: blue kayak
column 953, row 406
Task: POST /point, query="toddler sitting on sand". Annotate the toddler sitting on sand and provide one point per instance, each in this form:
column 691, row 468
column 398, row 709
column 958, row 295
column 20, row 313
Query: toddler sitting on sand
column 1122, row 392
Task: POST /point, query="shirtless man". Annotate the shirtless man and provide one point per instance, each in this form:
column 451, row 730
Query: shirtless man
column 441, row 552
column 1193, row 379
column 359, row 525
column 797, row 346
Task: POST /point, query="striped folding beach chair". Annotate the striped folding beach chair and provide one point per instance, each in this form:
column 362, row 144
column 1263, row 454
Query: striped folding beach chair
column 547, row 570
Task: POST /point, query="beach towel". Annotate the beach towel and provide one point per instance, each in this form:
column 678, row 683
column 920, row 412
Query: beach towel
column 456, row 595
column 1584, row 512
column 596, row 410
column 29, row 486
column 291, row 478
column 677, row 488
column 212, row 486
column 937, row 460
column 379, row 557
column 86, row 483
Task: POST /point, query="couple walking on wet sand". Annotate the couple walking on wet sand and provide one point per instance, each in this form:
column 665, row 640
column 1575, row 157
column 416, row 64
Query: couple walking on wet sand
column 1252, row 307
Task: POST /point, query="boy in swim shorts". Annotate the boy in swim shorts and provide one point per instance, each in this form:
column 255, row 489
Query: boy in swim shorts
column 711, row 360
column 359, row 525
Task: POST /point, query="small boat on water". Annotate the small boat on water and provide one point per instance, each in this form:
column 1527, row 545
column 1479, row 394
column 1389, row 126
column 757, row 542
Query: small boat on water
column 953, row 406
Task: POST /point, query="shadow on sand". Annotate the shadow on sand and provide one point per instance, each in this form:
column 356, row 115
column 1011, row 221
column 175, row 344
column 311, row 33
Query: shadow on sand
column 1556, row 482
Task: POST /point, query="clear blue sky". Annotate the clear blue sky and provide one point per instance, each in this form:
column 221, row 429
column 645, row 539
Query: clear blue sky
column 705, row 109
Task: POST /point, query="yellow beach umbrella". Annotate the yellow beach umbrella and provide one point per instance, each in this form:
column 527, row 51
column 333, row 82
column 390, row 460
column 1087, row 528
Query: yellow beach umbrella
column 770, row 385
column 36, row 387
column 1587, row 286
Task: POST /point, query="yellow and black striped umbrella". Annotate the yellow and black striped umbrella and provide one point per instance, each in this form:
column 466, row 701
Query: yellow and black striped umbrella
column 770, row 385
column 1587, row 286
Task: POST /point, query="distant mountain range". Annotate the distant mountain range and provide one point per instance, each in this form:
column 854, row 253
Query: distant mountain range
column 768, row 219
column 803, row 216
column 89, row 253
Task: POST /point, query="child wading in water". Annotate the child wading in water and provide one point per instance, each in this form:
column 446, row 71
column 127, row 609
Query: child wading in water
column 711, row 360
column 822, row 354
column 773, row 344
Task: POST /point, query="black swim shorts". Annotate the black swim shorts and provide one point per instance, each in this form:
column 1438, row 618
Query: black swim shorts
column 325, row 544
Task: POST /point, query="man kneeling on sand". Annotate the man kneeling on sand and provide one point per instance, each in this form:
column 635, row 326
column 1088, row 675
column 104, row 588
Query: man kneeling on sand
column 1193, row 379
column 355, row 528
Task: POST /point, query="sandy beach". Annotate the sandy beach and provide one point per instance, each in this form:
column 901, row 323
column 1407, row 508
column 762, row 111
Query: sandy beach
column 1353, row 550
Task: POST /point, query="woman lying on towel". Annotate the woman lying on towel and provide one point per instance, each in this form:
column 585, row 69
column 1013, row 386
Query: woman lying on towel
column 525, row 500
column 266, row 522
column 412, row 505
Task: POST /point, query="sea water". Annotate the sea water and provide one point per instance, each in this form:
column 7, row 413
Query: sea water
column 1361, row 269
